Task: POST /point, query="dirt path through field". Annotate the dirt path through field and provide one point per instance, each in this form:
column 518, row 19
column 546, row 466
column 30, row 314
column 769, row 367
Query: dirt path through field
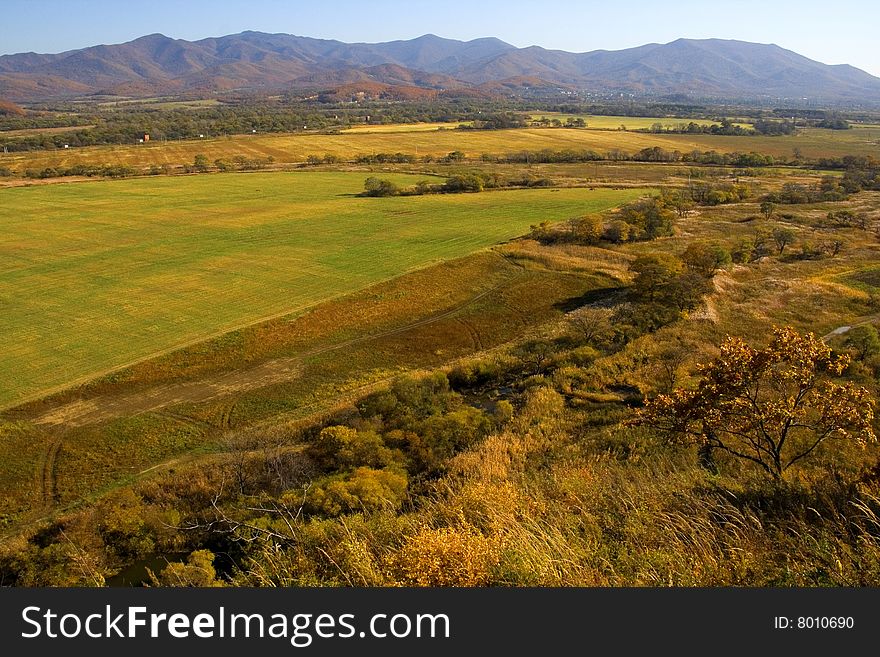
column 107, row 407
column 48, row 482
column 846, row 328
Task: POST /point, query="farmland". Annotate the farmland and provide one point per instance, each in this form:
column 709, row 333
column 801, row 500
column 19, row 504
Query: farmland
column 413, row 139
column 606, row 122
column 194, row 350
column 97, row 275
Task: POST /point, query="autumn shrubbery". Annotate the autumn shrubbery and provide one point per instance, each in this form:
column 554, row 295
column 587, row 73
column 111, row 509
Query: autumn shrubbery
column 363, row 490
column 448, row 556
column 421, row 486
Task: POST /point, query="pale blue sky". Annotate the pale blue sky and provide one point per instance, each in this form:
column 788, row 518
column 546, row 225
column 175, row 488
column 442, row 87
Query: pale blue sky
column 834, row 32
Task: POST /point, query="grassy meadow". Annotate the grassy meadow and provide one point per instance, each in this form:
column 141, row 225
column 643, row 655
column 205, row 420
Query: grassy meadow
column 97, row 275
column 57, row 451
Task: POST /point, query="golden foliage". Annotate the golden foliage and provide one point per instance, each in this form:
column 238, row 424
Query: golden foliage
column 198, row 571
column 365, row 489
column 771, row 406
column 450, row 556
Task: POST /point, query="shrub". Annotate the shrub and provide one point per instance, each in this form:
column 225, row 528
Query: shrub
column 343, row 448
column 378, row 187
column 459, row 556
column 197, row 572
column 365, row 489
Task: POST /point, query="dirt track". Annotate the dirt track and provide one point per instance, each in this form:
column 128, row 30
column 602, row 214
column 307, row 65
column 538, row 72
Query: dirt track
column 107, row 407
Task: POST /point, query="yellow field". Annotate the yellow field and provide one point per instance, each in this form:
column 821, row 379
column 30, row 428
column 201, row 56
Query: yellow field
column 403, row 127
column 416, row 140
column 595, row 122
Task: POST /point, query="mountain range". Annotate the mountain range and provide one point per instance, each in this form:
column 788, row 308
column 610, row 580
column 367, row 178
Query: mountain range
column 428, row 65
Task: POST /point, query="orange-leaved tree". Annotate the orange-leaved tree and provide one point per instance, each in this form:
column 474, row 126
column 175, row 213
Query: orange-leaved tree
column 772, row 406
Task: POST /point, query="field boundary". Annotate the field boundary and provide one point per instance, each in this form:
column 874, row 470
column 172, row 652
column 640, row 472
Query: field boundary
column 48, row 392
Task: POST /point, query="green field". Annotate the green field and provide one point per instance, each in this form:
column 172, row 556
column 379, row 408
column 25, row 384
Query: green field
column 97, row 275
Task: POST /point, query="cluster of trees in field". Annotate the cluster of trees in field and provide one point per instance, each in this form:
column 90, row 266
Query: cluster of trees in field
column 201, row 164
column 666, row 286
column 834, row 123
column 779, row 239
column 653, row 154
column 829, row 188
column 90, row 170
column 726, row 127
column 851, row 162
column 496, row 121
column 457, row 183
column 760, row 126
column 370, row 158
column 641, row 220
column 645, row 219
column 570, row 122
column 705, row 193
column 771, row 127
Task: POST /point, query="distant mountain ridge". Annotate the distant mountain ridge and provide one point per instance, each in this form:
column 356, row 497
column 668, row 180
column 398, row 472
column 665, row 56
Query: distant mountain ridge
column 156, row 65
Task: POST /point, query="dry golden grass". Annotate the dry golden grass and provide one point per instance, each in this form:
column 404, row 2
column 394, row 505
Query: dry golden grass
column 294, row 148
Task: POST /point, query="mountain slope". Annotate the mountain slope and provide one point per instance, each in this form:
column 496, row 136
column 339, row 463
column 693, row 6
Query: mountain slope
column 156, row 64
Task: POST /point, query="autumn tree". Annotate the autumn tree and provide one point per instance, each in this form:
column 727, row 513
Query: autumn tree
column 678, row 200
column 650, row 216
column 783, row 237
column 378, row 187
column 618, row 231
column 592, row 322
column 653, row 274
column 686, row 291
column 772, row 406
column 586, row 229
column 864, row 341
column 534, row 353
column 197, row 572
column 542, row 232
column 201, row 163
column 705, row 258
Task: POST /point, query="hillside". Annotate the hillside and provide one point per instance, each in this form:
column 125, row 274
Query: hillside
column 156, row 64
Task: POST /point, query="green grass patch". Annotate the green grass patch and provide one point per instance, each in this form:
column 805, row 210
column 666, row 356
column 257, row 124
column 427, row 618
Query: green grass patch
column 94, row 276
column 866, row 279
